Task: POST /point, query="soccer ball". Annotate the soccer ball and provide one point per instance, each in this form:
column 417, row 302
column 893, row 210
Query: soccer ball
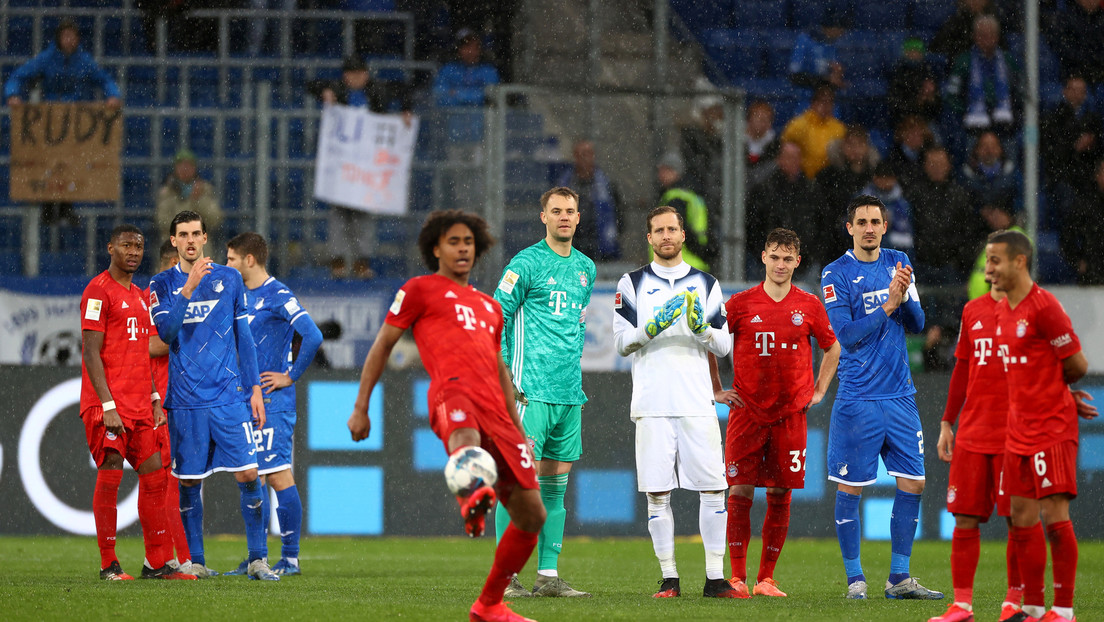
column 470, row 468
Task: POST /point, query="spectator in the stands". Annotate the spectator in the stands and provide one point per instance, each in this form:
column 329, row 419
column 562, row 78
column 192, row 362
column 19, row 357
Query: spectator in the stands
column 702, row 148
column 64, row 72
column 761, row 140
column 813, row 130
column 1076, row 34
column 948, row 228
column 815, row 60
column 701, row 247
column 913, row 87
column 183, row 190
column 600, row 206
column 884, row 185
column 956, row 35
column 1082, row 238
column 991, row 178
column 1072, row 141
column 906, row 157
column 983, row 81
column 851, row 162
column 787, row 198
column 463, row 82
column 996, row 218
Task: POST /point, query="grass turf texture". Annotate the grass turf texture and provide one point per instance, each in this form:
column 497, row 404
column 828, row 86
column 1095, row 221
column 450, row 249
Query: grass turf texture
column 56, row 578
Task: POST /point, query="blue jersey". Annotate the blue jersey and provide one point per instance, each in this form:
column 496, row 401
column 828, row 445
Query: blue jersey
column 874, row 360
column 274, row 316
column 208, row 348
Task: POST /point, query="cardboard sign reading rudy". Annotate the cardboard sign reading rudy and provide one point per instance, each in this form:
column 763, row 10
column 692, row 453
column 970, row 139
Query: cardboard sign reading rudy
column 65, row 152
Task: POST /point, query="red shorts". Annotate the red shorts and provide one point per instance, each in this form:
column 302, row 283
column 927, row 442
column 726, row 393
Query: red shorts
column 975, row 485
column 498, row 435
column 165, row 445
column 1048, row 472
column 765, row 456
column 137, row 443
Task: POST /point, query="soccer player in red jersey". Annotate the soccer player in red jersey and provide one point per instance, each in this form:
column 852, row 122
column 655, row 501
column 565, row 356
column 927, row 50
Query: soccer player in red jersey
column 159, row 358
column 773, row 386
column 120, row 407
column 458, row 330
column 1041, row 356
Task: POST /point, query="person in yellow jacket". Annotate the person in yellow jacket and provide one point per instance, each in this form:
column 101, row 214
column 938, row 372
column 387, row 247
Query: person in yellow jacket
column 700, row 249
column 814, row 129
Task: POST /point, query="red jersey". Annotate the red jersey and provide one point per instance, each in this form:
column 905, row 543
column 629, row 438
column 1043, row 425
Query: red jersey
column 459, row 335
column 122, row 316
column 984, row 415
column 160, row 367
column 1033, row 339
column 772, row 353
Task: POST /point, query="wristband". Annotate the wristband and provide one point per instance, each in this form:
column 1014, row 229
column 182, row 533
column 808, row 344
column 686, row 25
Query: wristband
column 110, row 405
column 155, row 397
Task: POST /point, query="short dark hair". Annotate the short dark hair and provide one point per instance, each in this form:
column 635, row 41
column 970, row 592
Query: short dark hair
column 186, row 216
column 439, row 222
column 1017, row 243
column 665, row 209
column 66, row 24
column 124, row 228
column 250, row 243
column 866, row 200
column 167, row 251
column 562, row 191
column 783, row 238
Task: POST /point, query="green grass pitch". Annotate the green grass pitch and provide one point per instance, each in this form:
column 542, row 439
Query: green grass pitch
column 55, row 578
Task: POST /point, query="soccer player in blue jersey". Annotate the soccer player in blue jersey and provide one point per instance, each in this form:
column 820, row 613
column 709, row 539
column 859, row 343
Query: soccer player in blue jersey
column 275, row 315
column 871, row 298
column 214, row 386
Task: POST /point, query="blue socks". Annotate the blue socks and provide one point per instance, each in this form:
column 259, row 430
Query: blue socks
column 902, row 531
column 849, row 533
column 191, row 514
column 290, row 515
column 251, row 501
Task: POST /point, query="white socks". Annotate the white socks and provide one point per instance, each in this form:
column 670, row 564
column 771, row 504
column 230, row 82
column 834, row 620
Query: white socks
column 661, row 524
column 713, row 524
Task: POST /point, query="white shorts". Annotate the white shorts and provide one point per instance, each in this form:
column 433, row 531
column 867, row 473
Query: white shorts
column 692, row 445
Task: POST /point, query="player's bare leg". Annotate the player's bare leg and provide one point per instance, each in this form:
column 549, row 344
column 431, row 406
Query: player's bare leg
column 155, row 524
column 965, row 551
column 104, row 509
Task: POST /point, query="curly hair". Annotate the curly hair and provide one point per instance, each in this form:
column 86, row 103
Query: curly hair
column 783, row 238
column 439, row 222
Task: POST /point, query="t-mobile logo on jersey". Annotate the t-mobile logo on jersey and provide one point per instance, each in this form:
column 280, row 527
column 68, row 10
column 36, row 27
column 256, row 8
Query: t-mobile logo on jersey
column 983, row 349
column 557, row 300
column 765, row 343
column 132, row 328
column 466, row 315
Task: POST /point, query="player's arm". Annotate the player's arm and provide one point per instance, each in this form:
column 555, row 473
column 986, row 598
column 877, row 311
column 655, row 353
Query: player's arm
column 912, row 314
column 721, row 394
column 155, row 403
column 849, row 331
column 91, row 346
column 1085, row 410
column 508, row 392
column 628, row 337
column 707, row 321
column 157, row 347
column 1074, row 367
column 956, row 397
column 247, row 359
column 828, row 366
column 386, row 338
column 510, row 293
column 170, row 321
column 312, row 340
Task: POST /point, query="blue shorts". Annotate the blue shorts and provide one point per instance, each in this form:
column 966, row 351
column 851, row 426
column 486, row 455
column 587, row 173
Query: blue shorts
column 862, row 430
column 208, row 440
column 274, row 442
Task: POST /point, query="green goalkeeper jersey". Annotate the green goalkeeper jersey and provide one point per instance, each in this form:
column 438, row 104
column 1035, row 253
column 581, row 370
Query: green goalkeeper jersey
column 544, row 297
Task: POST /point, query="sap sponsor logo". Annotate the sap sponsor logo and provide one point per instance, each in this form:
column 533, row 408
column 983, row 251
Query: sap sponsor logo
column 1061, row 341
column 199, row 310
column 873, row 301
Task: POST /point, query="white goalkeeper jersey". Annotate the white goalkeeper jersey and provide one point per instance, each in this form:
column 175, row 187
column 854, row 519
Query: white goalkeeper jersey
column 670, row 372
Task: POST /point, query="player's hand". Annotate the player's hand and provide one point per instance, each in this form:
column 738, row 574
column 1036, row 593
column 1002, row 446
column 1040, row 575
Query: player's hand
column 272, row 380
column 695, row 315
column 256, row 403
column 1084, row 409
column 159, row 418
column 113, row 423
column 14, row 101
column 201, row 269
column 946, row 441
column 818, row 397
column 519, row 395
column 730, row 397
column 671, row 311
column 360, row 426
column 898, row 288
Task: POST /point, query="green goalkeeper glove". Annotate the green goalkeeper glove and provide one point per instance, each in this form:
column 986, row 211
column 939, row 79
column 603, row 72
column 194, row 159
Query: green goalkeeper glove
column 695, row 315
column 668, row 313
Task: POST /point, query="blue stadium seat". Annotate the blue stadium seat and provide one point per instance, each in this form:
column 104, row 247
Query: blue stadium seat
column 862, row 55
column 61, row 263
column 778, row 47
column 20, row 37
column 136, row 136
column 201, row 136
column 231, row 190
column 738, row 53
column 881, row 14
column 760, row 14
column 929, row 15
column 699, row 15
column 170, row 137
column 808, row 14
column 138, row 187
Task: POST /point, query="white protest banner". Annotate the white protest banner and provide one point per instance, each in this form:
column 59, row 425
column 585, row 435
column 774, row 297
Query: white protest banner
column 39, row 329
column 364, row 160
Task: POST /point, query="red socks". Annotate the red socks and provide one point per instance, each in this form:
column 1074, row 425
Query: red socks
column 104, row 501
column 776, row 524
column 151, row 513
column 1063, row 558
column 172, row 515
column 1030, row 546
column 965, row 550
column 513, row 551
column 739, row 532
column 1015, row 583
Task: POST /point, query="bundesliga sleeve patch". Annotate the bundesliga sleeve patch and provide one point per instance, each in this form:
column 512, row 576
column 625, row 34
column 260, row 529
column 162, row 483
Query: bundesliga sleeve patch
column 396, row 305
column 292, row 306
column 829, row 293
column 153, row 299
column 508, row 281
column 617, row 300
column 92, row 312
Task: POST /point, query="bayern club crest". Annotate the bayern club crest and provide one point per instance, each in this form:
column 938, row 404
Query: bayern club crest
column 951, row 494
column 797, row 318
column 582, row 279
column 732, row 469
column 1021, row 328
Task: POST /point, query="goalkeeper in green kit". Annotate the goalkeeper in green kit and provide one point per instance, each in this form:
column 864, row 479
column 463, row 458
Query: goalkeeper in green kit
column 544, row 293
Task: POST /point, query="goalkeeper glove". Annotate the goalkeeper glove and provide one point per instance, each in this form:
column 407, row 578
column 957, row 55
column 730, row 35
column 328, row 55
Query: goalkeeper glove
column 668, row 313
column 695, row 315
